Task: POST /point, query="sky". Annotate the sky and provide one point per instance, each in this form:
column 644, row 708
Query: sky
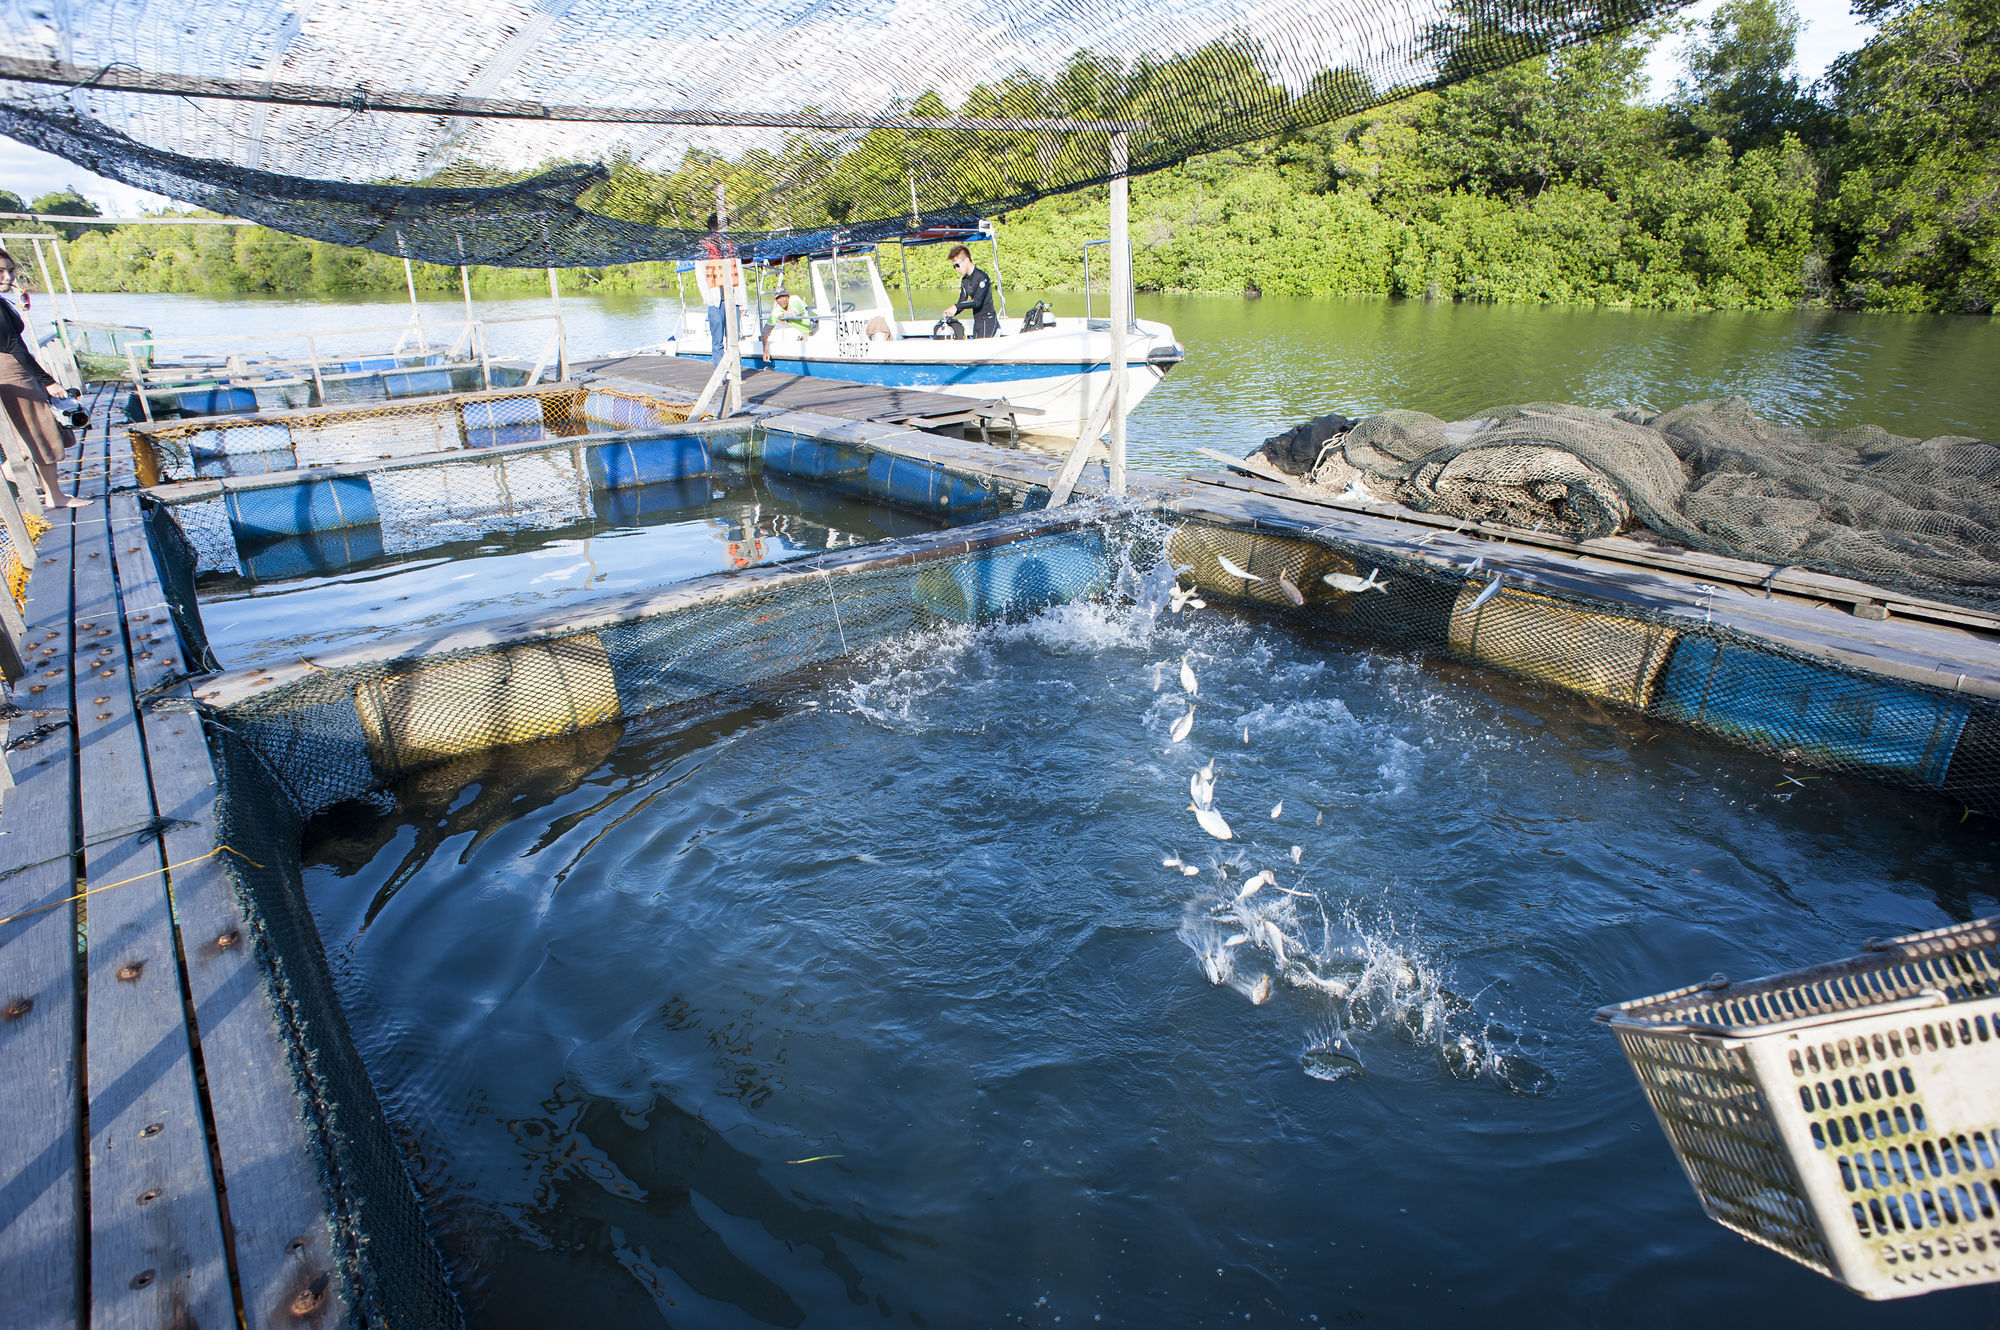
column 1828, row 31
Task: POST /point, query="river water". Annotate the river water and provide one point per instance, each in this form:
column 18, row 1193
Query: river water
column 1257, row 367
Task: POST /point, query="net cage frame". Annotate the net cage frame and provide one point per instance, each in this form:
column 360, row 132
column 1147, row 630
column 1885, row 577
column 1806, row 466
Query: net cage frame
column 1750, row 691
column 570, row 409
column 452, row 138
column 1841, row 1114
column 342, row 731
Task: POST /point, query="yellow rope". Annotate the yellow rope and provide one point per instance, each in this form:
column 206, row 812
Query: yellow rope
column 130, row 880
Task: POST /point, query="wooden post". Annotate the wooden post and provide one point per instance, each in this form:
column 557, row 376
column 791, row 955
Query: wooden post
column 416, row 314
column 732, row 353
column 562, row 341
column 1121, row 302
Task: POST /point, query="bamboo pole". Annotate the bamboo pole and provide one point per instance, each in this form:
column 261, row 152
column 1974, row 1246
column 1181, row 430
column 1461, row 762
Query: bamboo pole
column 1121, row 301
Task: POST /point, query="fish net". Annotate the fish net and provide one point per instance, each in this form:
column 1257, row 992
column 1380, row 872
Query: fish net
column 1921, row 516
column 575, row 134
column 261, row 442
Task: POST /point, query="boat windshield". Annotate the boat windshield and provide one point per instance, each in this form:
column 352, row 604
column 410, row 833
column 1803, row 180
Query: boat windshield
column 850, row 285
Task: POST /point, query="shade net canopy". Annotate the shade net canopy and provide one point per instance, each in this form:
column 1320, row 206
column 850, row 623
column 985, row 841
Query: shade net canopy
column 585, row 132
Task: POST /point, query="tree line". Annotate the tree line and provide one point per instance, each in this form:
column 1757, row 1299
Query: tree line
column 1878, row 187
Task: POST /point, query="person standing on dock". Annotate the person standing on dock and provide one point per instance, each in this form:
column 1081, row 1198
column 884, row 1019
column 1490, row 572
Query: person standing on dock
column 720, row 277
column 26, row 393
column 975, row 293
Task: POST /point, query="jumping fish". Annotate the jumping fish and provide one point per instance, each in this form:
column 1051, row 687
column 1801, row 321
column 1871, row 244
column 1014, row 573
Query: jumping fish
column 1279, row 810
column 1234, row 571
column 1476, row 565
column 1492, row 590
column 1183, row 725
column 1189, row 684
column 1201, row 788
column 1255, row 885
column 1246, row 734
column 1317, row 820
column 1275, row 941
column 1260, row 992
column 1180, row 598
column 1235, row 939
column 1297, row 852
column 1171, row 861
column 1211, row 822
column 1292, row 593
column 1349, row 582
column 1189, row 870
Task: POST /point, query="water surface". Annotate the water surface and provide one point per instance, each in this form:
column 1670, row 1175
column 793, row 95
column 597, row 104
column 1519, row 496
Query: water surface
column 1257, row 367
column 894, row 1003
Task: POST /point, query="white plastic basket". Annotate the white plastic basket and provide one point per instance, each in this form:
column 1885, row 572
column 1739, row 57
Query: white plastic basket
column 1847, row 1115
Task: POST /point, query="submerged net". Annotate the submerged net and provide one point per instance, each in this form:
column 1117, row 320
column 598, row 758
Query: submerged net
column 565, row 133
column 1919, row 516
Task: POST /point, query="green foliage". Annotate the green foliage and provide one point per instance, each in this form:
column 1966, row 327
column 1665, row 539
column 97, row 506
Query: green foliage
column 1547, row 180
column 1915, row 215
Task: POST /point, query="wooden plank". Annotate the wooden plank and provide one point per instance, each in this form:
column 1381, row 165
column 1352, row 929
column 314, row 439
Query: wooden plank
column 156, row 1247
column 272, row 1198
column 798, row 392
column 41, row 1147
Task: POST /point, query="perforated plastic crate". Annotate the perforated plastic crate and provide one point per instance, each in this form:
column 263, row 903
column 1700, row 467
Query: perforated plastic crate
column 1847, row 1115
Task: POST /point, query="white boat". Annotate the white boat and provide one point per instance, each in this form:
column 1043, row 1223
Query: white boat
column 1047, row 372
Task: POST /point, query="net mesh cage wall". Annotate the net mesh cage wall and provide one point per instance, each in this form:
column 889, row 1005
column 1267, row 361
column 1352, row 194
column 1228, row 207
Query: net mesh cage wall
column 582, row 134
column 347, row 732
column 252, row 443
column 1747, row 690
column 1844, row 1115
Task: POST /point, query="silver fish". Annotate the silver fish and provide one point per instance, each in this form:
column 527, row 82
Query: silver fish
column 1321, row 818
column 1292, row 593
column 1189, row 870
column 1255, row 885
column 1189, row 684
column 1201, row 786
column 1260, row 992
column 1234, row 571
column 1183, row 725
column 1349, row 582
column 1211, row 822
column 1492, row 590
column 1476, row 565
column 1171, row 861
column 1246, row 734
column 1276, row 941
column 1235, row 939
column 1297, row 852
column 1279, row 810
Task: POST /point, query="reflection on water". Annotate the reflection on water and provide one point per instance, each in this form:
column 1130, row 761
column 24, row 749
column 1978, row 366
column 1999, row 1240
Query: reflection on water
column 1257, row 367
column 895, row 1003
column 301, row 594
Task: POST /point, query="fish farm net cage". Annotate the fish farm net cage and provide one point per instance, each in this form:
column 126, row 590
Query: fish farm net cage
column 248, row 444
column 1844, row 1115
column 584, row 135
column 1747, row 690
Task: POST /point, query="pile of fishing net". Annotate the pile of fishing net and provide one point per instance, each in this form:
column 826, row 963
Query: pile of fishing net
column 1921, row 516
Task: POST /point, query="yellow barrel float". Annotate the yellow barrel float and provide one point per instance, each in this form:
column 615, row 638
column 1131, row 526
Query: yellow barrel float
column 535, row 690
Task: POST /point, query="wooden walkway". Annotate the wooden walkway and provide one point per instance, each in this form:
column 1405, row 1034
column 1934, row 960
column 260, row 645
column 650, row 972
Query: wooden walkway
column 796, row 392
column 155, row 1169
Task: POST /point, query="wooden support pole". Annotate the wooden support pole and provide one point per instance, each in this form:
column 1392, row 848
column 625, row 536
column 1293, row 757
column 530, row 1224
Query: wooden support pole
column 562, row 337
column 732, row 350
column 1121, row 302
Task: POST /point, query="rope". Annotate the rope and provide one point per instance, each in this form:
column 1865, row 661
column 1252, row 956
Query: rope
column 128, row 881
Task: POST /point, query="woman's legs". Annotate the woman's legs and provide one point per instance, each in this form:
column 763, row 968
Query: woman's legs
column 52, row 491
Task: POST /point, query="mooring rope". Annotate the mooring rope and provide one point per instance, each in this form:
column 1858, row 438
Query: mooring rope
column 130, row 880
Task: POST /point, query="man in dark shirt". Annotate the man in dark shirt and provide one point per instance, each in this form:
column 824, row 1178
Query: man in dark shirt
column 975, row 293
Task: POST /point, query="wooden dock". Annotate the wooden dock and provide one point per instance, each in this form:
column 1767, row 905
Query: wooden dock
column 779, row 391
column 155, row 1169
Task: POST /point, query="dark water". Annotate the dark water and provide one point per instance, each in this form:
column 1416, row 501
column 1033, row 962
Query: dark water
column 878, row 1006
column 1257, row 367
column 635, row 539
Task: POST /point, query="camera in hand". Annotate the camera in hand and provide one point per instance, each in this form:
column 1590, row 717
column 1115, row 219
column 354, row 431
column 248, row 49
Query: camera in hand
column 71, row 414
